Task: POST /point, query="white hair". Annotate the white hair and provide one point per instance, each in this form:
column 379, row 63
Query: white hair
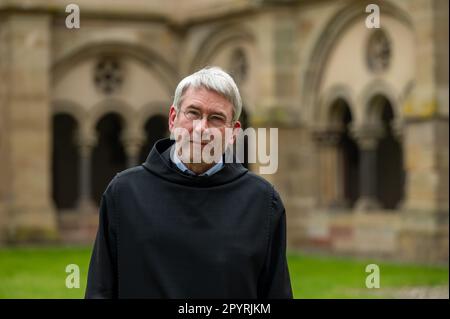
column 214, row 79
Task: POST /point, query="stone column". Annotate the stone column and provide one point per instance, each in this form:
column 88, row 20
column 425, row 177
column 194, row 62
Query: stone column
column 425, row 211
column 425, row 219
column 331, row 192
column 132, row 141
column 86, row 143
column 4, row 135
column 367, row 138
column 426, row 158
column 25, row 51
column 277, row 64
column 426, row 112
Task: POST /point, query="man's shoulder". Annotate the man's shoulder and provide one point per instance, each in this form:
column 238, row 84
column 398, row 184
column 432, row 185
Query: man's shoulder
column 130, row 172
column 259, row 182
column 127, row 176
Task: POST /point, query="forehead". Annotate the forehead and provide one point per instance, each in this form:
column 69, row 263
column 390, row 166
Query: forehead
column 205, row 98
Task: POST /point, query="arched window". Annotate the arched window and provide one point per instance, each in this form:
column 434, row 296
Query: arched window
column 155, row 128
column 343, row 150
column 65, row 162
column 108, row 157
column 390, row 170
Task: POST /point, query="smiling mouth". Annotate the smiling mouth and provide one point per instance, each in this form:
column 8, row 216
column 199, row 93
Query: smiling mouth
column 202, row 143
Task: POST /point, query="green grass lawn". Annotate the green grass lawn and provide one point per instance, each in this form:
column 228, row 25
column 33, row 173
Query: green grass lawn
column 334, row 277
column 40, row 273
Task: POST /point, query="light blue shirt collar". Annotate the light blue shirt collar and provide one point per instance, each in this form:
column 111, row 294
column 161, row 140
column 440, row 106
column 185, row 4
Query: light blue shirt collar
column 217, row 167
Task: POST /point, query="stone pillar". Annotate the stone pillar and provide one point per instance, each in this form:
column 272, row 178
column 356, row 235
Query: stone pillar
column 425, row 213
column 278, row 80
column 367, row 139
column 426, row 112
column 86, row 143
column 4, row 135
column 25, row 51
column 330, row 184
column 426, row 157
column 132, row 141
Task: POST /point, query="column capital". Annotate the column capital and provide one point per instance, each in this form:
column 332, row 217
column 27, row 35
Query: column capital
column 327, row 137
column 132, row 141
column 367, row 203
column 397, row 128
column 367, row 136
column 85, row 143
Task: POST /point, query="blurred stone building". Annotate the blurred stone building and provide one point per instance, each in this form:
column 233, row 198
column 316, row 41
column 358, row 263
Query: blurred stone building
column 362, row 113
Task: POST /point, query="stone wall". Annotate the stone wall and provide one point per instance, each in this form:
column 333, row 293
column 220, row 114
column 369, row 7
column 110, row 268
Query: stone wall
column 294, row 61
column 27, row 111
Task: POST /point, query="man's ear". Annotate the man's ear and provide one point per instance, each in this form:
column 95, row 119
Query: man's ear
column 236, row 128
column 172, row 116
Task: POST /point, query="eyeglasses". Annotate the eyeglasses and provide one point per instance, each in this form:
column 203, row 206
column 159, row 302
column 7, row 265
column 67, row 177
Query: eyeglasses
column 214, row 120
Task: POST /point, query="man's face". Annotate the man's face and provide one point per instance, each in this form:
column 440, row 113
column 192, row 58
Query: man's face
column 205, row 116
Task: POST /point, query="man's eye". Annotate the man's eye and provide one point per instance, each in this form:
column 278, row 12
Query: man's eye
column 217, row 118
column 193, row 113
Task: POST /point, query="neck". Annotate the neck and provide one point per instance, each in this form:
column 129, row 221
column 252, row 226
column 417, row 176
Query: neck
column 199, row 168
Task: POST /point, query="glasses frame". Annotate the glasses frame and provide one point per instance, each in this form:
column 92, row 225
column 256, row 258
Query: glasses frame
column 227, row 124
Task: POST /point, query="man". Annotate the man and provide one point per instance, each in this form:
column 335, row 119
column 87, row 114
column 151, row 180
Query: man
column 179, row 228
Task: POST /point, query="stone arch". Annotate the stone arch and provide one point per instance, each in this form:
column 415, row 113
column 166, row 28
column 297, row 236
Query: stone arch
column 151, row 109
column 330, row 34
column 325, row 116
column 111, row 105
column 216, row 40
column 152, row 123
column 162, row 68
column 155, row 128
column 71, row 108
column 338, row 110
column 372, row 101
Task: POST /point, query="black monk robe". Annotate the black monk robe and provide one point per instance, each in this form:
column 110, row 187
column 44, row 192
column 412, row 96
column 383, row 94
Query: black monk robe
column 164, row 234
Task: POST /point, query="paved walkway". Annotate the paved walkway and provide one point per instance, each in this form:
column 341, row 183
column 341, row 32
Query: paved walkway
column 423, row 292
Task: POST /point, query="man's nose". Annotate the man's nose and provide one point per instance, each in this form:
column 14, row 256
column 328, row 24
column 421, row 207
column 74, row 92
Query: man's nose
column 201, row 125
